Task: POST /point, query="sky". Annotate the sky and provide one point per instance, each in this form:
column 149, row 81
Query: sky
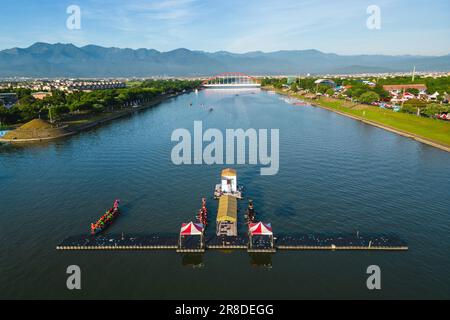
column 406, row 26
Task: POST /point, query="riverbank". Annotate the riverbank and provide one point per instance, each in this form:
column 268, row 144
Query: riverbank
column 432, row 132
column 74, row 127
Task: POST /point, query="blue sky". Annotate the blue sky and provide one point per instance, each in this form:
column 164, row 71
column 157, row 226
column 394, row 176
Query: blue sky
column 407, row 26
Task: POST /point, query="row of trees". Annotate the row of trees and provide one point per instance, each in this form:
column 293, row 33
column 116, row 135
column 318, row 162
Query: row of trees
column 416, row 106
column 441, row 84
column 357, row 89
column 363, row 93
column 60, row 103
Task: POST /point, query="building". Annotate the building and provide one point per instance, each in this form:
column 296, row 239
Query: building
column 446, row 98
column 229, row 181
column 326, row 82
column 8, row 99
column 433, row 97
column 228, row 185
column 398, row 88
column 41, row 95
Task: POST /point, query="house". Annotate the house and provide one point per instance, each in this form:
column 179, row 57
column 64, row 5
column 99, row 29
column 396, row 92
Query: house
column 41, row 95
column 408, row 96
column 398, row 88
column 446, row 98
column 433, row 97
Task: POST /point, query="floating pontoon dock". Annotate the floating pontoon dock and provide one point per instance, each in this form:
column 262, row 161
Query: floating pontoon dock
column 259, row 237
column 282, row 242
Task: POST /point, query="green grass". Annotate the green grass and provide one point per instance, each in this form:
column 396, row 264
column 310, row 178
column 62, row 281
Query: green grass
column 90, row 118
column 431, row 129
column 134, row 83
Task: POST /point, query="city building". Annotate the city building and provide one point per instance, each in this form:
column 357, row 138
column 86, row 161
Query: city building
column 41, row 95
column 8, row 99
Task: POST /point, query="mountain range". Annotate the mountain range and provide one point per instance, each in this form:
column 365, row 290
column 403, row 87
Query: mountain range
column 68, row 60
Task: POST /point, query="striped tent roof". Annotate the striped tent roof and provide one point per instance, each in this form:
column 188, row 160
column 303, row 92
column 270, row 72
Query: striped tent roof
column 191, row 229
column 260, row 228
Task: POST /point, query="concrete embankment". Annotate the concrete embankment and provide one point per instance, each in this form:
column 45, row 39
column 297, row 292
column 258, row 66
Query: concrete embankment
column 388, row 128
column 376, row 124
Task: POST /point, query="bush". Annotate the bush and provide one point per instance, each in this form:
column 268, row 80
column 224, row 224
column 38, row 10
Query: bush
column 369, row 97
column 434, row 108
column 413, row 105
column 330, row 92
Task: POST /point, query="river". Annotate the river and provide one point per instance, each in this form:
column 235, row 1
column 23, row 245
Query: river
column 336, row 175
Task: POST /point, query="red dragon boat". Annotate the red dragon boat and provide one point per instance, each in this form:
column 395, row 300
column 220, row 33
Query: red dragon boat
column 202, row 216
column 107, row 219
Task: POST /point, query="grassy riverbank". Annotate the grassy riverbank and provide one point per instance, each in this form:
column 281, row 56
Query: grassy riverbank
column 423, row 129
column 76, row 124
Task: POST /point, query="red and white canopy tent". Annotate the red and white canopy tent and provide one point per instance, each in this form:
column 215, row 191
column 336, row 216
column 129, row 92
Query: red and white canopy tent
column 260, row 229
column 192, row 229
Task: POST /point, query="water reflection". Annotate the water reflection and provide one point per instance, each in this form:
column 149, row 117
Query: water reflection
column 261, row 260
column 193, row 260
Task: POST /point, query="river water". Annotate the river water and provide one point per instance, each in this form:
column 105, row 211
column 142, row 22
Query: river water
column 336, row 175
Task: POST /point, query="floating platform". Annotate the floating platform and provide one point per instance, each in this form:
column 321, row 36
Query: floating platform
column 340, row 242
column 118, row 242
column 213, row 242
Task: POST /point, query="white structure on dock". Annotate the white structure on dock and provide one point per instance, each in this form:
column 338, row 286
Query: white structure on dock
column 228, row 185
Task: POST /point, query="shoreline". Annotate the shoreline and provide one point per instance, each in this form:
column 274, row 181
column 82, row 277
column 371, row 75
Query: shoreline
column 95, row 123
column 406, row 134
column 390, row 129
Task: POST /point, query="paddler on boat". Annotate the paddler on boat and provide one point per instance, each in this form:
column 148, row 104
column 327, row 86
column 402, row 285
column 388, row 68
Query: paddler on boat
column 116, row 205
column 199, row 216
column 251, row 211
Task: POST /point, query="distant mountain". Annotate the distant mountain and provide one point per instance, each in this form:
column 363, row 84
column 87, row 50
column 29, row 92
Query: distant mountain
column 68, row 60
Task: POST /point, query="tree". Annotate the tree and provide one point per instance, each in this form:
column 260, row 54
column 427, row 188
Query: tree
column 3, row 113
column 278, row 85
column 434, row 108
column 413, row 91
column 28, row 107
column 414, row 106
column 56, row 112
column 330, row 92
column 384, row 95
column 294, row 87
column 369, row 97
